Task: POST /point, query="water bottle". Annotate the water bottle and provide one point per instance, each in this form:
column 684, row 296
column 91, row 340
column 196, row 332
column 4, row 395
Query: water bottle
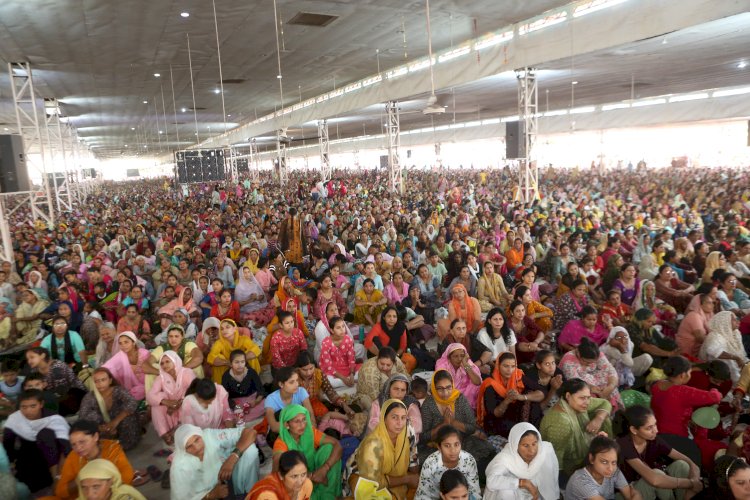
column 239, row 416
column 361, row 333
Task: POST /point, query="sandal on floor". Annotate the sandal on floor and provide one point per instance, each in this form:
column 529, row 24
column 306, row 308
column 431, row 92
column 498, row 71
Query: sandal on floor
column 140, row 479
column 165, row 484
column 154, row 472
column 163, row 453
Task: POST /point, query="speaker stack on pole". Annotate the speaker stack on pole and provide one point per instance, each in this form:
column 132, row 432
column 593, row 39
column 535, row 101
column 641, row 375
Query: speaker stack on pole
column 14, row 175
column 515, row 140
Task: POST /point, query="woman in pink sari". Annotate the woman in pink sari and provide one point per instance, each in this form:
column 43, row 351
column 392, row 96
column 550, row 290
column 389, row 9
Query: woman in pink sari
column 126, row 364
column 184, row 300
column 167, row 393
column 587, row 326
column 466, row 375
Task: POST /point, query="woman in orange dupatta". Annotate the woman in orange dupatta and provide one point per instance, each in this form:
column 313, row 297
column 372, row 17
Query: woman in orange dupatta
column 290, row 482
column 508, row 397
column 462, row 306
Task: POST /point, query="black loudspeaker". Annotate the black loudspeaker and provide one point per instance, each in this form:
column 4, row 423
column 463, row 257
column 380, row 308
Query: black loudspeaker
column 383, row 161
column 14, row 175
column 515, row 140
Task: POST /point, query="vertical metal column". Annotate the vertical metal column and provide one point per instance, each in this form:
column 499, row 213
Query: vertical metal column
column 393, row 132
column 29, row 126
column 233, row 164
column 58, row 157
column 6, row 245
column 282, row 158
column 528, row 172
column 326, row 171
column 253, row 163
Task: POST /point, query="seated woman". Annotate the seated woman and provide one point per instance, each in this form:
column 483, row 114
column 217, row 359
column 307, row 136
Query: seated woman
column 187, row 350
column 572, row 422
column 127, row 365
column 251, row 298
column 206, row 405
column 322, row 330
column 326, row 294
column 507, row 397
column 318, row 387
column 337, row 356
column 665, row 314
column 586, row 327
column 385, row 464
column 205, row 460
column 375, row 372
column 229, row 341
column 496, row 335
column 540, row 314
column 724, row 342
column 732, row 477
column 226, row 307
column 102, row 477
column 589, row 364
column 287, row 342
column 87, row 447
column 289, row 481
column 600, row 477
column 322, row 452
column 569, row 305
column 491, row 290
column 167, row 393
column 731, row 298
column 368, row 304
column 673, row 403
column 650, row 464
column 628, row 284
column 619, row 313
column 527, row 468
column 289, row 392
column 647, row 339
column 58, row 379
column 672, row 290
column 694, row 327
column 111, row 407
column 398, row 387
column 619, row 352
column 446, row 405
column 547, row 377
column 529, row 339
column 465, row 374
column 35, row 441
column 292, row 306
column 243, row 386
column 449, row 456
column 463, row 307
column 390, row 332
column 64, row 344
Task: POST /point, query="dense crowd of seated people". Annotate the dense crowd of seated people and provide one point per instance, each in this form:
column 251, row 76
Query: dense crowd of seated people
column 446, row 343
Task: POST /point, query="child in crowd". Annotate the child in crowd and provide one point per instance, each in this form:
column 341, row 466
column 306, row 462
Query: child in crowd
column 419, row 389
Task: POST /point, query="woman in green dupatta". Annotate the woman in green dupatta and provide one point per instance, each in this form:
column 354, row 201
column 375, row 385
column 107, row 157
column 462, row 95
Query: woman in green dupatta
column 322, row 452
column 187, row 350
column 573, row 422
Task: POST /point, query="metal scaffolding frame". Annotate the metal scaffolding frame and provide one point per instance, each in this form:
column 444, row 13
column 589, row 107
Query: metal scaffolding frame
column 253, row 163
column 282, row 158
column 393, row 132
column 233, row 171
column 57, row 150
column 326, row 170
column 528, row 172
column 30, row 127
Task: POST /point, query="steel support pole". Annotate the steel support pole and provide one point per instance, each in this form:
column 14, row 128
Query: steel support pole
column 233, row 164
column 253, row 163
column 6, row 245
column 528, row 173
column 282, row 159
column 30, row 128
column 393, row 132
column 326, row 171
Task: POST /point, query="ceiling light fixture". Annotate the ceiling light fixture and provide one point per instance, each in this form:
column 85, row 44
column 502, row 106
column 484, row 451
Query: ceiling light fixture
column 132, row 128
column 742, row 65
column 183, row 110
column 185, row 14
column 157, row 75
column 145, row 102
column 574, row 83
column 217, row 91
column 278, row 76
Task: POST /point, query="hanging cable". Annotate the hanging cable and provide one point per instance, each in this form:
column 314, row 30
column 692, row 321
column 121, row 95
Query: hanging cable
column 278, row 57
column 174, row 106
column 192, row 88
column 221, row 75
column 164, row 113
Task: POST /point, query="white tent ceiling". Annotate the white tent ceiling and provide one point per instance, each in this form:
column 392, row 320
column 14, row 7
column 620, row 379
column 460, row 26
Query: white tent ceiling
column 98, row 58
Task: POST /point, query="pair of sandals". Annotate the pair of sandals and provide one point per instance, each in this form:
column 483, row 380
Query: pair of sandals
column 152, row 473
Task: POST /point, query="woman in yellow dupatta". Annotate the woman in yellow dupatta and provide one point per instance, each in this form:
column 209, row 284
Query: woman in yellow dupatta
column 385, row 464
column 229, row 340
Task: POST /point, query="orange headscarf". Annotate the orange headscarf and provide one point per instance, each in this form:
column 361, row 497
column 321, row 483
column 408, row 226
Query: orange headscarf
column 469, row 318
column 515, row 382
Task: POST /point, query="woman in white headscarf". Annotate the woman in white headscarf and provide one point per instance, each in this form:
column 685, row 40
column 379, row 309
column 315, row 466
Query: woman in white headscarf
column 619, row 352
column 526, row 468
column 205, row 460
column 724, row 342
column 35, row 280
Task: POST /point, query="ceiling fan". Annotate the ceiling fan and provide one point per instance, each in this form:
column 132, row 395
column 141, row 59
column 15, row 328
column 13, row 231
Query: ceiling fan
column 432, row 108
